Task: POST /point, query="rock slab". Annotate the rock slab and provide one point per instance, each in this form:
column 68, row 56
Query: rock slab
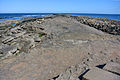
column 113, row 67
column 99, row 74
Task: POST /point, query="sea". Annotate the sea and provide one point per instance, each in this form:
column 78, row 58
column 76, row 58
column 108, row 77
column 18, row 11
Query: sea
column 11, row 16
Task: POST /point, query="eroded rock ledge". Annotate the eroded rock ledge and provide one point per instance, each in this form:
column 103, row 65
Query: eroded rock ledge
column 21, row 37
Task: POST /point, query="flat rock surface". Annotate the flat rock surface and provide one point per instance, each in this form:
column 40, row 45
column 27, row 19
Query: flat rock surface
column 99, row 74
column 113, row 67
column 69, row 43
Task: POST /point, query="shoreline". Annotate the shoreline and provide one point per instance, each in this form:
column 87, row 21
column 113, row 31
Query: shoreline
column 33, row 15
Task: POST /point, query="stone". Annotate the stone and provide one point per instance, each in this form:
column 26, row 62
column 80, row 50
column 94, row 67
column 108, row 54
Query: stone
column 32, row 43
column 0, row 35
column 99, row 74
column 19, row 34
column 9, row 50
column 113, row 67
column 7, row 39
column 37, row 39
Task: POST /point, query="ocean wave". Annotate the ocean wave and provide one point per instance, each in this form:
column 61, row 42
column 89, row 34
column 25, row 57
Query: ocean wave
column 20, row 17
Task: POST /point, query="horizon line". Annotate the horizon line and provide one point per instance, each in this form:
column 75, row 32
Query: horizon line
column 57, row 13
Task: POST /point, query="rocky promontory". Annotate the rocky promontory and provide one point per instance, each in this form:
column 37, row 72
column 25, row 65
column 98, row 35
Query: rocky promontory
column 60, row 47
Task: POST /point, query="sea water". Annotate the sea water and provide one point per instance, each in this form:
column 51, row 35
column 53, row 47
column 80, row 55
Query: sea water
column 10, row 16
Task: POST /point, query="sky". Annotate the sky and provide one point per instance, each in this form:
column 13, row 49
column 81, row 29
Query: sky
column 60, row 6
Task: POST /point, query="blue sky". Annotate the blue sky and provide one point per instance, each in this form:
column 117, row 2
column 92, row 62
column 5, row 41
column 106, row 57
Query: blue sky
column 60, row 6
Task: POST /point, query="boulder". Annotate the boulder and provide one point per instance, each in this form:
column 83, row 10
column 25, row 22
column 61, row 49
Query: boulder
column 99, row 74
